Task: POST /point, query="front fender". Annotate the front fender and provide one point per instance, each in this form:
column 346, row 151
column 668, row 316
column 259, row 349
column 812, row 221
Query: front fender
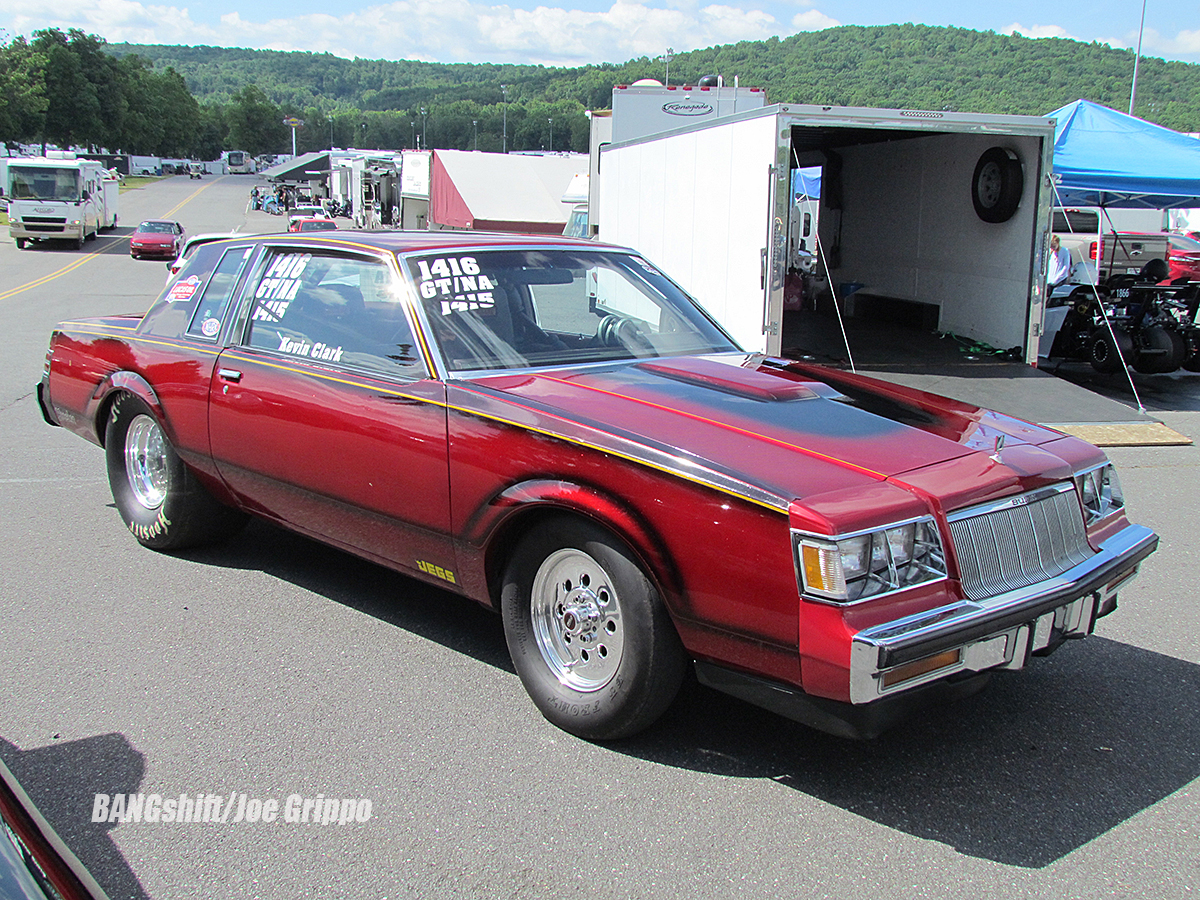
column 496, row 528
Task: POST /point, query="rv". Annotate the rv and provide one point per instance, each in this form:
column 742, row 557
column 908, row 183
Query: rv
column 59, row 198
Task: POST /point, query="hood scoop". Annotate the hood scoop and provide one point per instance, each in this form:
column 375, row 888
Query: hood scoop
column 741, row 382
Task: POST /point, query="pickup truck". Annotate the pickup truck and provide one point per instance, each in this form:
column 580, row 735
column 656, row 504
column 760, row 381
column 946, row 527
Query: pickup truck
column 1121, row 252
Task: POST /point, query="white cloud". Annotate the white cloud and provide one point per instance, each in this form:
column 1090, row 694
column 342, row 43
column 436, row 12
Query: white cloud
column 1040, row 31
column 813, row 20
column 1183, row 46
column 442, row 30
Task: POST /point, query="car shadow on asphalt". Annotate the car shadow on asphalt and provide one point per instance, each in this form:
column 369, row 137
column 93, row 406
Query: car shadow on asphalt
column 422, row 609
column 62, row 780
column 1032, row 768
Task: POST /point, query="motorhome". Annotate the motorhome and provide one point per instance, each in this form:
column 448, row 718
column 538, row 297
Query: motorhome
column 59, row 198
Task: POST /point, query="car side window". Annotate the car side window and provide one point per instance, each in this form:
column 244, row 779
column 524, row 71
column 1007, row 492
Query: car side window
column 173, row 311
column 214, row 301
column 333, row 309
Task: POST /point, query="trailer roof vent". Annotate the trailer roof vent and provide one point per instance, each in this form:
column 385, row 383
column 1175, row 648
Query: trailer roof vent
column 920, row 114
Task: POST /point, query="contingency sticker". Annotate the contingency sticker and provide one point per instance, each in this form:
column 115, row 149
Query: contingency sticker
column 183, row 290
column 279, row 286
column 210, row 327
column 457, row 282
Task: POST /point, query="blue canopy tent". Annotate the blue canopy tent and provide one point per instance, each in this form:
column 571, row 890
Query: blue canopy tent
column 1105, row 158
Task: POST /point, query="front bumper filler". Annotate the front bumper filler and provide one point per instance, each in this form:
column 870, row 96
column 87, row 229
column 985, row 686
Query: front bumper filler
column 997, row 633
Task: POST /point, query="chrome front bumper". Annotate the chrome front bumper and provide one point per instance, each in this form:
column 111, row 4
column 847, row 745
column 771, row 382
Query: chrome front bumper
column 996, row 633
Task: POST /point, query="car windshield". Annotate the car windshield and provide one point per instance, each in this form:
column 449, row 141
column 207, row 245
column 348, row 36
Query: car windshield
column 319, row 225
column 42, row 183
column 156, row 228
column 1183, row 243
column 511, row 309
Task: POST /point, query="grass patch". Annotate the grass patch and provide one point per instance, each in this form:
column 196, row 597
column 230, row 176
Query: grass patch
column 133, row 182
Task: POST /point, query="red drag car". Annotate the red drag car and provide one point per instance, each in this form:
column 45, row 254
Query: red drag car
column 156, row 239
column 311, row 223
column 554, row 429
column 1183, row 257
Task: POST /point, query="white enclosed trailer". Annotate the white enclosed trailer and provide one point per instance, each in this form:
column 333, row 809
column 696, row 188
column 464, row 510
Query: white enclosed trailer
column 946, row 210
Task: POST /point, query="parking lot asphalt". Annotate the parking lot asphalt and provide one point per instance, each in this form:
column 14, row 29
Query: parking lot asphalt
column 272, row 667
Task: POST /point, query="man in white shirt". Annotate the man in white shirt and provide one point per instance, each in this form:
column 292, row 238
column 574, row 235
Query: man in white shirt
column 1058, row 267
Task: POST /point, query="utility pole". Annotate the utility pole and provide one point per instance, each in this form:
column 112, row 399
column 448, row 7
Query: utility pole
column 667, row 57
column 1137, row 58
column 551, row 135
column 504, row 90
column 475, row 126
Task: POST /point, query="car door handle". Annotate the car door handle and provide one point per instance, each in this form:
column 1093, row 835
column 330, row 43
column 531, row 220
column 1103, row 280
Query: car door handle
column 229, row 375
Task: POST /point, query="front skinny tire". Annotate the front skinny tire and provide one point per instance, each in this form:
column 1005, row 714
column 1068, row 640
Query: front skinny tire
column 588, row 634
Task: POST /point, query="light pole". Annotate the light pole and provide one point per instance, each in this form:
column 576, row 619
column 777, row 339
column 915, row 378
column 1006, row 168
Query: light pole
column 666, row 57
column 364, row 128
column 475, row 125
column 416, row 146
column 504, row 91
column 424, row 128
column 551, row 121
column 1136, row 58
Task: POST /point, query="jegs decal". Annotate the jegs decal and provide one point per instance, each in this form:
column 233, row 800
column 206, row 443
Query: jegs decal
column 436, row 571
column 183, row 290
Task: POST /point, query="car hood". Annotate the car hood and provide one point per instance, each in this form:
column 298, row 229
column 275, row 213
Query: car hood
column 788, row 428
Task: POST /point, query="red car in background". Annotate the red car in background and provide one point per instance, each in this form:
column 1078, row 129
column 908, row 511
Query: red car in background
column 156, row 239
column 554, row 429
column 312, row 223
column 1183, row 257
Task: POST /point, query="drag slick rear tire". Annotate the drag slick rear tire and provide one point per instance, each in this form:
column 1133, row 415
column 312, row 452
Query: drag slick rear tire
column 587, row 631
column 158, row 497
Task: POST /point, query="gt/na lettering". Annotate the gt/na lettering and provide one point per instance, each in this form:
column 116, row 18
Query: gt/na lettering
column 436, row 571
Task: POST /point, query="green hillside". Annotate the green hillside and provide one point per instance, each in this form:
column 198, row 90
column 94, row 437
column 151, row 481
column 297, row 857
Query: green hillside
column 912, row 66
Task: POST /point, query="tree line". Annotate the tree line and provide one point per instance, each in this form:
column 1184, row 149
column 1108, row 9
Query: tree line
column 74, row 89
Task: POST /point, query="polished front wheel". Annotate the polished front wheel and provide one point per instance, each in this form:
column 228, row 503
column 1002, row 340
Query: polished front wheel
column 577, row 624
column 588, row 633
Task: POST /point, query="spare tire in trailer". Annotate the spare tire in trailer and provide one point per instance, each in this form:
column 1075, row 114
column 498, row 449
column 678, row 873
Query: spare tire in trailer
column 997, row 184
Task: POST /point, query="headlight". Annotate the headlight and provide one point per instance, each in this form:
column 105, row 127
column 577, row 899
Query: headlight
column 1099, row 492
column 869, row 564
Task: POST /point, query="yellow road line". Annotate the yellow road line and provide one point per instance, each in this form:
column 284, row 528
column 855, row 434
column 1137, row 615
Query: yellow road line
column 72, row 266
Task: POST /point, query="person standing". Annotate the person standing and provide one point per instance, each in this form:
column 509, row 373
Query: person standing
column 1058, row 267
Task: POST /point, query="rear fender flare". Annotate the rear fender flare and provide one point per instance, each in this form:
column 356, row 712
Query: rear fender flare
column 111, row 387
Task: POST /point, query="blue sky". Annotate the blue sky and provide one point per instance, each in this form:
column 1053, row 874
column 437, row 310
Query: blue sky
column 576, row 32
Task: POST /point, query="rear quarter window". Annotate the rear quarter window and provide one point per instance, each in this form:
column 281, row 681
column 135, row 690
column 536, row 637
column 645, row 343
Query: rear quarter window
column 172, row 312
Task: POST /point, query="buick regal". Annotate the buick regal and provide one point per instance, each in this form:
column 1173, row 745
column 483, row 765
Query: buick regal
column 554, row 429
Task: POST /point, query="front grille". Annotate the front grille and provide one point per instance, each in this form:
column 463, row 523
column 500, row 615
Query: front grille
column 1018, row 542
column 44, row 223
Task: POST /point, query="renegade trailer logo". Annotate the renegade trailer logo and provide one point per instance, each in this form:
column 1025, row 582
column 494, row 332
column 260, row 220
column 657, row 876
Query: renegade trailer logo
column 687, row 108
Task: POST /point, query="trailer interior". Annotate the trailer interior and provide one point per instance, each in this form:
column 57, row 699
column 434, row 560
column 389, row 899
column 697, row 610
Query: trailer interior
column 896, row 264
